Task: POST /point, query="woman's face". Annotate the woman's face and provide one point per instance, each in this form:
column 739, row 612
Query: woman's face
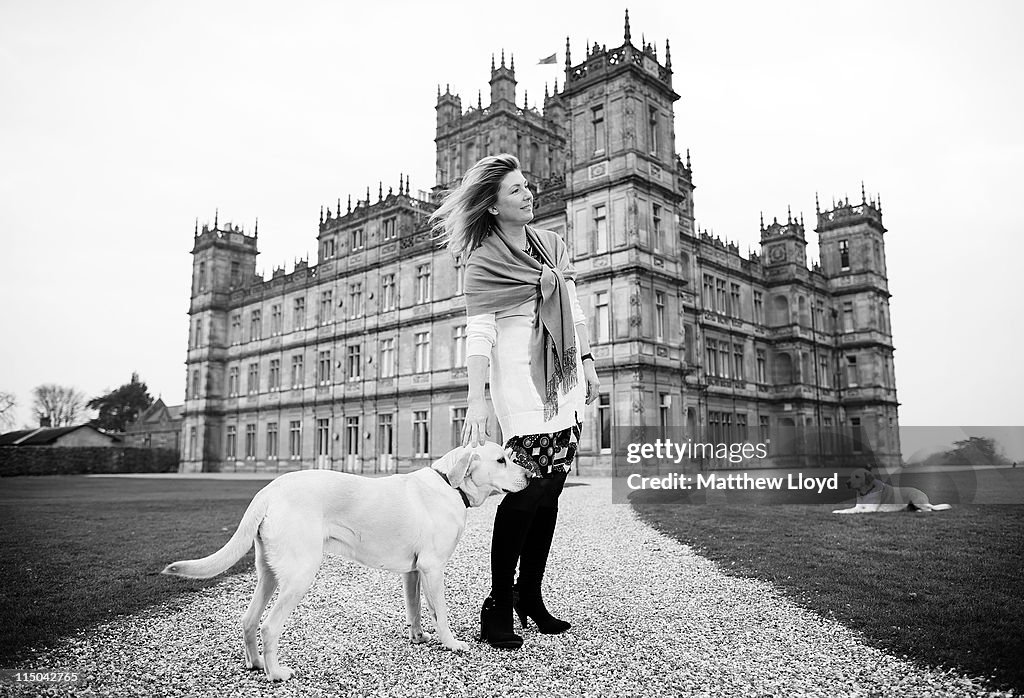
column 514, row 203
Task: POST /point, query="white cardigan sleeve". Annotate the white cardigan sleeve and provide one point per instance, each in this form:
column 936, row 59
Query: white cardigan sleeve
column 481, row 333
column 574, row 302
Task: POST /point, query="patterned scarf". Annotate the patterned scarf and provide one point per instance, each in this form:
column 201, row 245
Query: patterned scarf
column 501, row 276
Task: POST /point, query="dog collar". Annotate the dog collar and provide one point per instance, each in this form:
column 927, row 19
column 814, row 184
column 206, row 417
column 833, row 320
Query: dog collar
column 465, row 498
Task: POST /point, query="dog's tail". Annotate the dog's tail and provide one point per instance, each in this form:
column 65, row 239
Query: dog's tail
column 940, row 507
column 233, row 550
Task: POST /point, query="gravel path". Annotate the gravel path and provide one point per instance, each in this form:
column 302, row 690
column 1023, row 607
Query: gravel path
column 649, row 616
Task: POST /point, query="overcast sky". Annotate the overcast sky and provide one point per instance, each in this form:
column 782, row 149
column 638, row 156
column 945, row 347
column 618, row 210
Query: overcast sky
column 122, row 122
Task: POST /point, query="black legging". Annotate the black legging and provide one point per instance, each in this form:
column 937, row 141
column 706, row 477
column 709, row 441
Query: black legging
column 523, row 527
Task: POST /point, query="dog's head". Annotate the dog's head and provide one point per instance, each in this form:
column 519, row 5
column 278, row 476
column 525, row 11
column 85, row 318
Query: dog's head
column 861, row 480
column 481, row 471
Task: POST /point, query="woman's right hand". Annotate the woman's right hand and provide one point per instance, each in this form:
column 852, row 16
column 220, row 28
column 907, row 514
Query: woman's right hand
column 476, row 428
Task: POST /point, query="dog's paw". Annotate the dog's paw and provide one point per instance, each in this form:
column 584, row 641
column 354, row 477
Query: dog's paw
column 457, row 646
column 418, row 637
column 283, row 673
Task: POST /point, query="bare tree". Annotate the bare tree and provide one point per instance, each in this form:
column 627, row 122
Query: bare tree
column 61, row 405
column 8, row 407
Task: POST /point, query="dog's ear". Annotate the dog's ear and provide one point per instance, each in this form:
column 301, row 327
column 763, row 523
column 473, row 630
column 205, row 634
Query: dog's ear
column 463, row 462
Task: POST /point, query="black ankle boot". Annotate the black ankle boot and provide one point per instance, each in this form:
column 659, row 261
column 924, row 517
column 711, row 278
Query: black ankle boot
column 531, row 605
column 496, row 625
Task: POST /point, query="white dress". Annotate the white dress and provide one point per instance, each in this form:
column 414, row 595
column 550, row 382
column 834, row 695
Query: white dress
column 505, row 339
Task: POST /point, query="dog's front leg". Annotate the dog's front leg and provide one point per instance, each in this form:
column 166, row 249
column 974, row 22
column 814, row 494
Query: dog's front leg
column 411, row 580
column 433, row 582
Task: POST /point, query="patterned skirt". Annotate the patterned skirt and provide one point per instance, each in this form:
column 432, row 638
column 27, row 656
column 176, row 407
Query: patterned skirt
column 544, row 455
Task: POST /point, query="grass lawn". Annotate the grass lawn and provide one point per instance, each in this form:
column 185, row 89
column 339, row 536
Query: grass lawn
column 80, row 550
column 944, row 589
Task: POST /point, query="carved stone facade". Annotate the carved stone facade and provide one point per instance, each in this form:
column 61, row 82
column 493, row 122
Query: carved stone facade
column 358, row 362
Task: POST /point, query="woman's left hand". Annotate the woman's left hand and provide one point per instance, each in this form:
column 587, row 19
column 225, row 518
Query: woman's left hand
column 593, row 382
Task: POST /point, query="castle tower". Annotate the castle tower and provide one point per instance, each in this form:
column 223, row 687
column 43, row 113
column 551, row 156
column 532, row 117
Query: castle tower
column 223, row 261
column 537, row 139
column 851, row 240
column 503, row 83
column 628, row 201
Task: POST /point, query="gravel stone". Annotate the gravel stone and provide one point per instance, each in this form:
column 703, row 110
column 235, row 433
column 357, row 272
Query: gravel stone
column 650, row 618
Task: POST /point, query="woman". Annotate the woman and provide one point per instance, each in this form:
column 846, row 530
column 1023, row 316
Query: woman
column 527, row 334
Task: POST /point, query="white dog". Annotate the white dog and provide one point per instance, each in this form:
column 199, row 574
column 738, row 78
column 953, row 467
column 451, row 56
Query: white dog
column 406, row 523
column 874, row 495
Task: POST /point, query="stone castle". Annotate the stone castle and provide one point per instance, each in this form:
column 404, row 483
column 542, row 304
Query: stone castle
column 357, row 362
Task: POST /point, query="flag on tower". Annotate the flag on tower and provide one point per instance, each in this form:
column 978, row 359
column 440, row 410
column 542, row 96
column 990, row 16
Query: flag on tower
column 550, row 60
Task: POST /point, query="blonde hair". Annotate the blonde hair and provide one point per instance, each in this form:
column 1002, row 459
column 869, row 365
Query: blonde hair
column 462, row 221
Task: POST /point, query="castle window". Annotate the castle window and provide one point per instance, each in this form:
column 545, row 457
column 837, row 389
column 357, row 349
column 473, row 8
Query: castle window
column 459, row 346
column 709, row 292
column 758, row 307
column 194, row 393
column 762, row 366
column 390, row 228
column 236, row 274
column 734, row 300
column 387, row 292
column 602, row 317
column 272, row 447
column 844, row 255
column 723, row 361
column 299, row 314
column 236, row 328
column 255, row 325
column 604, row 423
column 356, row 236
column 276, row 320
column 328, row 248
column 711, row 357
column 352, row 430
column 298, row 377
column 253, row 383
column 323, row 368
column 664, row 411
column 659, row 315
column 738, row 370
column 858, row 434
column 823, row 372
column 423, row 283
column 422, row 352
column 851, row 371
column 652, row 124
column 199, row 334
column 420, row 434
column 848, row 317
column 387, row 357
column 458, row 420
column 355, row 364
column 656, row 224
column 230, row 443
column 202, row 276
column 600, row 228
column 386, row 438
column 323, row 437
column 597, row 121
column 721, row 302
column 355, row 300
column 233, row 381
column 326, row 307
column 741, row 427
column 250, row 441
column 274, row 379
column 764, row 429
column 294, row 439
